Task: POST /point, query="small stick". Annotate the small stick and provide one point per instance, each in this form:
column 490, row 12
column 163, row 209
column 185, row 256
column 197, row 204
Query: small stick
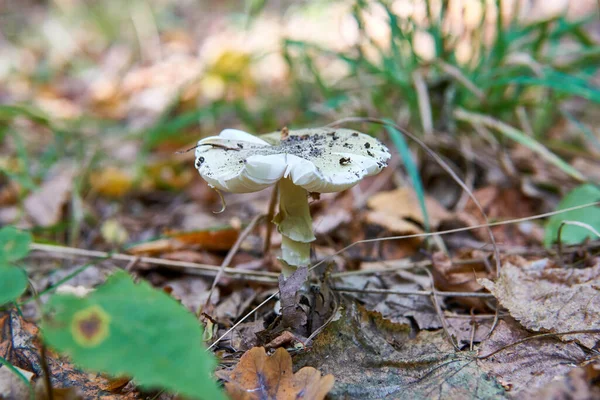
column 540, row 336
column 234, row 249
column 439, row 312
column 413, row 292
column 207, row 269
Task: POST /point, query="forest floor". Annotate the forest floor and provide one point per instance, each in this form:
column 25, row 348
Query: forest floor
column 451, row 274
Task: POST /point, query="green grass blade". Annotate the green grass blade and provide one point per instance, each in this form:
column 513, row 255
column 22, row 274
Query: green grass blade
column 411, row 168
column 521, row 138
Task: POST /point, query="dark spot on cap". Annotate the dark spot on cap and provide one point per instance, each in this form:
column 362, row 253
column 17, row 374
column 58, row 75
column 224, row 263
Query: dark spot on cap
column 367, row 145
column 344, row 160
column 241, row 146
column 371, row 154
column 355, row 134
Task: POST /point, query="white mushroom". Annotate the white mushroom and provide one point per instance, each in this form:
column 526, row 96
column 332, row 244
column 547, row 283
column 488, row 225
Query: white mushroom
column 321, row 160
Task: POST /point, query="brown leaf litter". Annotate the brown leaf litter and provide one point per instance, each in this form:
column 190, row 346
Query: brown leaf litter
column 373, row 358
column 45, row 205
column 545, row 297
column 292, row 315
column 258, row 376
column 529, row 365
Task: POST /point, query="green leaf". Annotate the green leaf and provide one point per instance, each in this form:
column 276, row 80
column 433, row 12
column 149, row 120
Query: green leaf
column 131, row 329
column 571, row 234
column 14, row 244
column 13, row 282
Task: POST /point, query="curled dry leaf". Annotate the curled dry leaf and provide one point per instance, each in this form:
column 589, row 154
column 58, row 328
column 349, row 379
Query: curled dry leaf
column 544, row 297
column 45, row 205
column 529, row 365
column 258, row 376
column 292, row 315
column 458, row 277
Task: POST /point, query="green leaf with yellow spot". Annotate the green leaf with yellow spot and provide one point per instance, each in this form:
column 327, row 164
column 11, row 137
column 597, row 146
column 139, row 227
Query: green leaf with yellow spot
column 13, row 282
column 124, row 328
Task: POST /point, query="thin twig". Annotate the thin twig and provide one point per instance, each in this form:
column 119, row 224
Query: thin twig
column 402, row 264
column 439, row 311
column 243, row 319
column 232, row 252
column 204, row 269
column 413, row 292
column 540, row 336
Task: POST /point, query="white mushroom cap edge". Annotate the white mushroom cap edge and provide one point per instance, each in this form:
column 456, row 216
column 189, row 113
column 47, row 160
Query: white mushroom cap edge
column 322, row 160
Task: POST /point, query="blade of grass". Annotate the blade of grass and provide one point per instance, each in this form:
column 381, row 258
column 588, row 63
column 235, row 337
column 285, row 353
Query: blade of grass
column 519, row 137
column 411, row 168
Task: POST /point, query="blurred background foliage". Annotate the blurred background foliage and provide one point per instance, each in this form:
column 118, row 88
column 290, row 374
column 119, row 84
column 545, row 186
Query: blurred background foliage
column 116, row 88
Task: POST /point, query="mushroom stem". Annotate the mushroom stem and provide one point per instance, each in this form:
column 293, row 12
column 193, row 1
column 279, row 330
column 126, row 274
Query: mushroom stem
column 295, row 225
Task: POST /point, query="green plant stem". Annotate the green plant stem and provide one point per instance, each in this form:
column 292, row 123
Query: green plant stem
column 295, row 225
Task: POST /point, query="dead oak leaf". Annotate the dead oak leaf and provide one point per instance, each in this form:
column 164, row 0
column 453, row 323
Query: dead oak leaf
column 543, row 297
column 258, row 376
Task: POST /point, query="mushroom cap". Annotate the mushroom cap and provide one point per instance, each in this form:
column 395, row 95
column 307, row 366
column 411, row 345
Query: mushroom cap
column 322, row 160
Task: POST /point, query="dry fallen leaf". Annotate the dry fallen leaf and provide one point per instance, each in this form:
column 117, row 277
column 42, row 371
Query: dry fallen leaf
column 398, row 308
column 373, row 358
column 452, row 276
column 210, row 239
column 291, row 313
column 544, row 297
column 455, row 277
column 579, row 383
column 45, row 205
column 501, row 204
column 111, row 182
column 403, row 204
column 258, row 376
column 11, row 387
column 529, row 365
